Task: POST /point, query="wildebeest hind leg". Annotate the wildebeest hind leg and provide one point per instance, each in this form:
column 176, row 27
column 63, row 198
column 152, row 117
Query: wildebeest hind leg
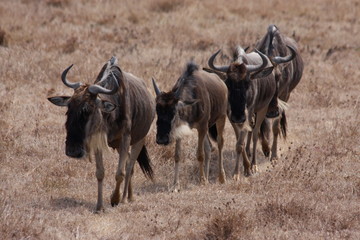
column 207, row 148
column 255, row 134
column 135, row 150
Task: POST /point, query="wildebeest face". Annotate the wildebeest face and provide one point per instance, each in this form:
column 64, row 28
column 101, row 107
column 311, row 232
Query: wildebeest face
column 80, row 108
column 84, row 109
column 166, row 107
column 238, row 83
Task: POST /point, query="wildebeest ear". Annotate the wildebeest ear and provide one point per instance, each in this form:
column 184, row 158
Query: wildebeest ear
column 61, row 101
column 262, row 73
column 105, row 106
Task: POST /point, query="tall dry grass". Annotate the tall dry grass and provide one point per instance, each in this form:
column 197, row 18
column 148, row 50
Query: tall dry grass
column 312, row 193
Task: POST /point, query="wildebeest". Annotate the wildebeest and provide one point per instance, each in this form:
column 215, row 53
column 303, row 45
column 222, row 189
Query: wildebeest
column 251, row 86
column 197, row 100
column 288, row 76
column 116, row 111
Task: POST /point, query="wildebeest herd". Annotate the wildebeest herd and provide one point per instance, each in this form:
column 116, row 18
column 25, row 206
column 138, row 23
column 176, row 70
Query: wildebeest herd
column 117, row 111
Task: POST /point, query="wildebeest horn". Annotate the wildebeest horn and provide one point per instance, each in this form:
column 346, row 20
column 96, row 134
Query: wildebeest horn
column 269, row 39
column 218, row 68
column 285, row 59
column 97, row 89
column 254, row 68
column 66, row 82
column 156, row 88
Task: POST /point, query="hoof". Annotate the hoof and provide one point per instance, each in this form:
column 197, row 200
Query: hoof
column 175, row 188
column 254, row 168
column 203, row 181
column 247, row 173
column 131, row 199
column 99, row 209
column 222, row 179
column 236, row 177
column 115, row 199
column 266, row 154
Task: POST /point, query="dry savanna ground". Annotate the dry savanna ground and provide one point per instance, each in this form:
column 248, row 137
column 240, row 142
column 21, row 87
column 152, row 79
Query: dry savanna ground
column 312, row 193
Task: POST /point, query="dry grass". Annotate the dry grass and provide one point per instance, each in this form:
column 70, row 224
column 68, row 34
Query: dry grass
column 312, row 193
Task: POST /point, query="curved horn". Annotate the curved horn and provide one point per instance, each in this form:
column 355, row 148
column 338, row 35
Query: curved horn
column 66, row 82
column 268, row 48
column 156, row 88
column 97, row 89
column 254, row 68
column 218, row 68
column 279, row 60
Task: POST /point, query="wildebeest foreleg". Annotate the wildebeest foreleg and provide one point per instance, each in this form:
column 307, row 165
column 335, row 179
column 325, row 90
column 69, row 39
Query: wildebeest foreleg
column 123, row 151
column 255, row 134
column 201, row 154
column 220, row 125
column 240, row 151
column 135, row 150
column 176, row 186
column 100, row 173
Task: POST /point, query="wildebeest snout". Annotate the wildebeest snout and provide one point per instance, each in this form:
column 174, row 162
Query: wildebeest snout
column 237, row 119
column 163, row 140
column 74, row 151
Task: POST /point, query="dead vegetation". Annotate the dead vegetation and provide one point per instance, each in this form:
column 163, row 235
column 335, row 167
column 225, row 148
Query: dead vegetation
column 312, row 192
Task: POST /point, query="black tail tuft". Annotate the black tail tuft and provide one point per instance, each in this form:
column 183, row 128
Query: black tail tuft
column 283, row 124
column 144, row 162
column 213, row 132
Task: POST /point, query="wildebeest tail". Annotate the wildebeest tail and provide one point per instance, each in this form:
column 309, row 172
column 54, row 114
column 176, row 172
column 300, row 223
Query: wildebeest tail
column 283, row 124
column 144, row 162
column 213, row 132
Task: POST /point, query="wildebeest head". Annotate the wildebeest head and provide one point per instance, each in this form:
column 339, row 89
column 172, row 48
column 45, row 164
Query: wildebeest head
column 238, row 81
column 85, row 108
column 170, row 108
column 273, row 46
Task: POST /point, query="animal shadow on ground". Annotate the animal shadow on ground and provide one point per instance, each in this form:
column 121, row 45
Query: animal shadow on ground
column 70, row 203
column 229, row 162
column 156, row 187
